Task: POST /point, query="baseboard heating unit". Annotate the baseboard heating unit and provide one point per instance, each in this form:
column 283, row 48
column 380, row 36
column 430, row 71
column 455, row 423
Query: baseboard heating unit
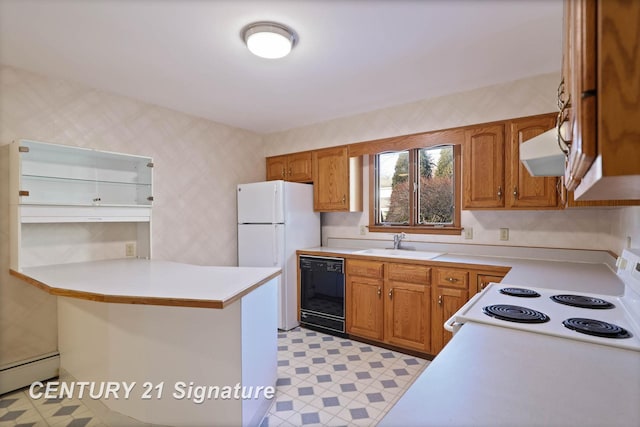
column 24, row 372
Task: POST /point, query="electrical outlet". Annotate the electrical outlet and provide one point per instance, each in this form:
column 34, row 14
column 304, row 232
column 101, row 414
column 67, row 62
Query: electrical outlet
column 130, row 249
column 363, row 230
column 468, row 233
column 504, row 234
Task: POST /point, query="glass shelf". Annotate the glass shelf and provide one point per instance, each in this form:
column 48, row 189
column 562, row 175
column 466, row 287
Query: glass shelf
column 54, row 174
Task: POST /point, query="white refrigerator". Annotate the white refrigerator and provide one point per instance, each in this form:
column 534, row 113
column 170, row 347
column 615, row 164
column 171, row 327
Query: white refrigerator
column 276, row 218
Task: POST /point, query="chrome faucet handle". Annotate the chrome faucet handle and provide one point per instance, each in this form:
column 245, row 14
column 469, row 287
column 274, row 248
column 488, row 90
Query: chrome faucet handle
column 397, row 238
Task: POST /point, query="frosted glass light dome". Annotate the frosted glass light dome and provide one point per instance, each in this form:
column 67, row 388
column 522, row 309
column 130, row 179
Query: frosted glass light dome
column 269, row 39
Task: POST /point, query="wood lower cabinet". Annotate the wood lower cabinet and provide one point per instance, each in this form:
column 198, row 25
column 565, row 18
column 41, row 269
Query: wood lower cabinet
column 482, row 280
column 364, row 302
column 405, row 304
column 450, row 292
column 446, row 302
column 408, row 307
column 294, row 167
column 389, row 302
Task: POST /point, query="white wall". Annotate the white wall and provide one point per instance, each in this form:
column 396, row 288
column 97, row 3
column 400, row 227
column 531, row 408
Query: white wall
column 627, row 225
column 197, row 166
column 578, row 228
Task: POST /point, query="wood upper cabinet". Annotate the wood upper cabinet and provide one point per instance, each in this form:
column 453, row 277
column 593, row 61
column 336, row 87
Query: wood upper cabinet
column 483, row 167
column 294, row 167
column 523, row 190
column 276, row 168
column 364, row 301
column 600, row 71
column 579, row 63
column 337, row 180
column 493, row 175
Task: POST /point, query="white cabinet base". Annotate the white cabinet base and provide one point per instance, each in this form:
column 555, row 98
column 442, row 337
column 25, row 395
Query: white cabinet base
column 173, row 345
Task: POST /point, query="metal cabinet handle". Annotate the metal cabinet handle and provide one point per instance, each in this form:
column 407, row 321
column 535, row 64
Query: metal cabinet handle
column 289, row 171
column 284, row 172
column 515, row 192
column 563, row 115
column 344, row 198
column 482, row 285
column 500, row 192
column 379, row 291
column 451, row 279
column 439, row 299
column 390, row 293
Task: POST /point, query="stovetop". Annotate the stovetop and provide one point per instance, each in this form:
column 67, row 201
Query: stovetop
column 527, row 307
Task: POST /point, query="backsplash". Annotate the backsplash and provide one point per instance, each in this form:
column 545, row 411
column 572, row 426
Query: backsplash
column 197, row 166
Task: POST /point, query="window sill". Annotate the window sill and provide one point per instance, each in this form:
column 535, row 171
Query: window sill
column 415, row 230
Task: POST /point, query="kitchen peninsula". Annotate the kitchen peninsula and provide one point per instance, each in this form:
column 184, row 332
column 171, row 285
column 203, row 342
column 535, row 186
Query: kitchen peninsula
column 160, row 324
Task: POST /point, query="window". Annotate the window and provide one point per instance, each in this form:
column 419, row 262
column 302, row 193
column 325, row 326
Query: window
column 417, row 190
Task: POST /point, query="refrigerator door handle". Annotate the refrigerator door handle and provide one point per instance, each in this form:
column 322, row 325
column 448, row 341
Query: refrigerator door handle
column 274, row 241
column 273, row 204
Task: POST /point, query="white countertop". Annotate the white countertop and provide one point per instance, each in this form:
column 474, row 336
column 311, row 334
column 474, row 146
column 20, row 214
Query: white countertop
column 149, row 281
column 490, row 376
column 576, row 276
column 585, row 276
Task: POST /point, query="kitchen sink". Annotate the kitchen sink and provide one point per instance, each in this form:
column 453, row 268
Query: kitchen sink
column 399, row 253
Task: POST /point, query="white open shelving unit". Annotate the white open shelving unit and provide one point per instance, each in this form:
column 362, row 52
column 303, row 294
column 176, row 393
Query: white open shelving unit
column 53, row 183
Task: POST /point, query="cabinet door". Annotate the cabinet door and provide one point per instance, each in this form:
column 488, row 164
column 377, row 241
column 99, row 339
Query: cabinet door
column 483, row 163
column 580, row 83
column 484, row 279
column 299, row 167
column 408, row 315
column 276, row 168
column 525, row 190
column 446, row 302
column 331, row 179
column 364, row 303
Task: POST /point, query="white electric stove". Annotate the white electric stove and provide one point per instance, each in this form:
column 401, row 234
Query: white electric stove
column 599, row 319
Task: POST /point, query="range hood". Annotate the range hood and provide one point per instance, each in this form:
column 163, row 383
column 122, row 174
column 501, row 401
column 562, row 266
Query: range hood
column 542, row 156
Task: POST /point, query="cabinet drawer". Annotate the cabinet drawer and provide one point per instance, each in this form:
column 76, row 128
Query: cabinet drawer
column 451, row 278
column 365, row 268
column 410, row 273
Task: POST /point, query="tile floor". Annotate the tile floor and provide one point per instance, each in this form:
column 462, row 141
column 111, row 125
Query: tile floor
column 322, row 380
column 329, row 381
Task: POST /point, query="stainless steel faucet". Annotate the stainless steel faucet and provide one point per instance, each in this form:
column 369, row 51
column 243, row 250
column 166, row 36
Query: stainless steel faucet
column 397, row 239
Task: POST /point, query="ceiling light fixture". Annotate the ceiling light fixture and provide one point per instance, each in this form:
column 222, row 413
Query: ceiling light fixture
column 269, row 39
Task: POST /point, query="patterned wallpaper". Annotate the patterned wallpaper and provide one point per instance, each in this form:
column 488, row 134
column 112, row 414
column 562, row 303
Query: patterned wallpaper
column 587, row 228
column 197, row 166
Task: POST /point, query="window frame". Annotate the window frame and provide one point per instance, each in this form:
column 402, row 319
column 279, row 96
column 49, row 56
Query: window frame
column 413, row 227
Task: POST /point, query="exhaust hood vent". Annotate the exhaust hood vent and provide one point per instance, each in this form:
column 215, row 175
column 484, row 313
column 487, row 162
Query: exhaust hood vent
column 542, row 156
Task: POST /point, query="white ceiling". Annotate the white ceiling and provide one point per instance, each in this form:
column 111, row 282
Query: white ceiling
column 352, row 56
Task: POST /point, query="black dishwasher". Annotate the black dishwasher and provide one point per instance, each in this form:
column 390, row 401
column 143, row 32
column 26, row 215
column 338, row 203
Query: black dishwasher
column 322, row 293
